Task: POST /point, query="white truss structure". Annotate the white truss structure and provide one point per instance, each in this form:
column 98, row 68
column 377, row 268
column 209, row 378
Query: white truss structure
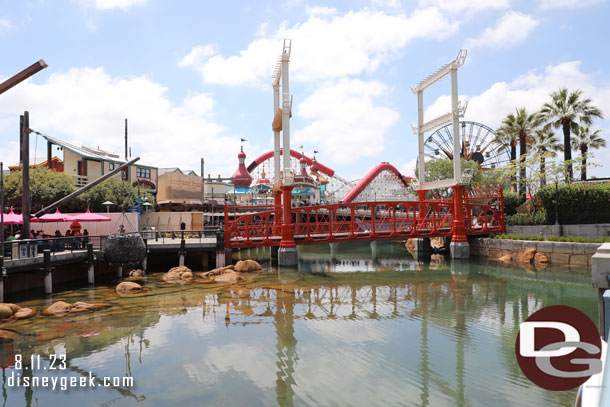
column 386, row 186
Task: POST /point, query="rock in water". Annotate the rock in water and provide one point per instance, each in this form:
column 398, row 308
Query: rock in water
column 527, row 256
column 245, row 266
column 25, row 313
column 60, row 307
column 127, row 287
column 137, row 273
column 125, row 248
column 231, row 277
column 5, row 311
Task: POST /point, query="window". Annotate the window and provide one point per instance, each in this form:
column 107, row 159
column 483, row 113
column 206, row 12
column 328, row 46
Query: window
column 111, row 166
column 143, row 172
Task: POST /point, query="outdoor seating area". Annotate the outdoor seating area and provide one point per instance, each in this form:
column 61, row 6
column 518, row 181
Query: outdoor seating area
column 18, row 245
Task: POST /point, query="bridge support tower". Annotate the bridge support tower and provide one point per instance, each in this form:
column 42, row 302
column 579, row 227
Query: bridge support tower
column 459, row 248
column 287, row 255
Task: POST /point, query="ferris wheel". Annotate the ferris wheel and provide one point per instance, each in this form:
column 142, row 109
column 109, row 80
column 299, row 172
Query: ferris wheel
column 479, row 143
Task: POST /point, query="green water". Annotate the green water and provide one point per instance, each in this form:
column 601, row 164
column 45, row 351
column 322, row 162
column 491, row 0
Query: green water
column 357, row 324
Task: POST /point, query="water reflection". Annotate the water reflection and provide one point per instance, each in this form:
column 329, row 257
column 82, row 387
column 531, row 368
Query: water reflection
column 365, row 325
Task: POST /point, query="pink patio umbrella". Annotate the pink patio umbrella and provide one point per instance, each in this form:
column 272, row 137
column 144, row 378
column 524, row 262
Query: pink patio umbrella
column 88, row 217
column 12, row 218
column 51, row 217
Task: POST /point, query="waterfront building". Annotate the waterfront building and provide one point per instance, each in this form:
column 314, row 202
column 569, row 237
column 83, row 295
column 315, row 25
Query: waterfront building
column 85, row 164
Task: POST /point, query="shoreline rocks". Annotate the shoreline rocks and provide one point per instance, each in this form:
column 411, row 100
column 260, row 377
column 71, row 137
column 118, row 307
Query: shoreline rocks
column 64, row 308
column 180, row 273
column 128, row 287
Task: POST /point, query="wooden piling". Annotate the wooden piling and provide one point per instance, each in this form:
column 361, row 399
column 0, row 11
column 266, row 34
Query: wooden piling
column 48, row 272
column 120, row 272
column 91, row 264
column 144, row 264
column 182, row 251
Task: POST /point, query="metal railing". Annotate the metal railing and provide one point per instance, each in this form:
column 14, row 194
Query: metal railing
column 163, row 235
column 28, row 248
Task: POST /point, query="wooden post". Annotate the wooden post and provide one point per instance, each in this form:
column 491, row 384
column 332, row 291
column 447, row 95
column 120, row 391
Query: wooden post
column 182, row 251
column 50, row 155
column 220, row 248
column 145, row 260
column 23, row 75
column 91, row 264
column 48, row 272
column 25, row 162
column 120, row 272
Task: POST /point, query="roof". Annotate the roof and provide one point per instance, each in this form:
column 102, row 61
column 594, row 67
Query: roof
column 95, row 153
column 170, row 169
column 177, row 170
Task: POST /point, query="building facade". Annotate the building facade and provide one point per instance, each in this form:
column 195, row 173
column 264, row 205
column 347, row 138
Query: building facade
column 85, row 164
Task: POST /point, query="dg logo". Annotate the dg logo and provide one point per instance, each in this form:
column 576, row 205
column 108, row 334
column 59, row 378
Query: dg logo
column 558, row 348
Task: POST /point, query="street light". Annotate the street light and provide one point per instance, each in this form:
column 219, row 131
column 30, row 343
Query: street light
column 107, row 205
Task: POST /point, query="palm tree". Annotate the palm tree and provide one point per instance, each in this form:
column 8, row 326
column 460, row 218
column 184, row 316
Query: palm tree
column 546, row 144
column 564, row 110
column 507, row 140
column 584, row 140
column 522, row 125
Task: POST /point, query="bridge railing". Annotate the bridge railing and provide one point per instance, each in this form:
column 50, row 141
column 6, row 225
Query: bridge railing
column 483, row 214
column 484, row 211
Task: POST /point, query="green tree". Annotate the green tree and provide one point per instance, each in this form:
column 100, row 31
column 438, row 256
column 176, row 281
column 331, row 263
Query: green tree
column 566, row 109
column 522, row 125
column 46, row 187
column 114, row 190
column 546, row 144
column 584, row 140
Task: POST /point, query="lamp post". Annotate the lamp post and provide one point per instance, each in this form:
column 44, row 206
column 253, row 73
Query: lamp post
column 107, row 204
column 146, row 205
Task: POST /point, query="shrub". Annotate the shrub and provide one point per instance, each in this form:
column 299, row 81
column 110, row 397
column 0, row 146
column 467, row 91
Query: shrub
column 578, row 203
column 523, row 219
column 511, row 201
column 573, row 239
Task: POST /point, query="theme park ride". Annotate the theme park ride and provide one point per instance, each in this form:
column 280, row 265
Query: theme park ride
column 362, row 214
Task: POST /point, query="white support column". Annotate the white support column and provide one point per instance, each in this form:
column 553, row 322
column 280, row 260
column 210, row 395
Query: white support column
column 455, row 128
column 286, row 106
column 276, row 134
column 420, row 134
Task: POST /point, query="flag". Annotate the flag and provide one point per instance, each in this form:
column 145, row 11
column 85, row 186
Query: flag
column 301, row 146
column 243, row 139
column 316, row 152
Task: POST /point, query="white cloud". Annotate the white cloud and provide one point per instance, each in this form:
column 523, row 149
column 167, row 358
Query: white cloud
column 320, row 11
column 345, row 123
column 467, row 6
column 87, row 106
column 6, row 24
column 328, row 46
column 551, row 4
column 510, row 30
column 197, row 55
column 113, row 4
column 408, row 168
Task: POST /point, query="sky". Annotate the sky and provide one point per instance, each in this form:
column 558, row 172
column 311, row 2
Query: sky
column 194, row 77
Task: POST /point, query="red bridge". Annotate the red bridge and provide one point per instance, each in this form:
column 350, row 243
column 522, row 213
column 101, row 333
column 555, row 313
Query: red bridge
column 479, row 212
